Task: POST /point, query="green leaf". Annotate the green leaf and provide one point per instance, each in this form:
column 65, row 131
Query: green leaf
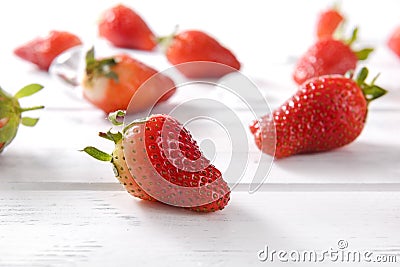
column 28, row 90
column 361, row 76
column 100, row 67
column 372, row 92
column 363, row 54
column 97, row 154
column 106, row 62
column 90, row 55
column 353, row 37
column 115, row 137
column 30, row 122
column 117, row 117
column 375, row 78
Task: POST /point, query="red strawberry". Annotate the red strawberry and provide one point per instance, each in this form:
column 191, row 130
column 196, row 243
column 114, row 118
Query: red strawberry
column 192, row 46
column 110, row 83
column 327, row 23
column 42, row 50
column 328, row 56
column 394, row 41
column 123, row 27
column 166, row 164
column 10, row 113
column 327, row 112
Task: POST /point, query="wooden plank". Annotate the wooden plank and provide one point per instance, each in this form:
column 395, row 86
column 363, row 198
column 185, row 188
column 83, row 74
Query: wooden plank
column 49, row 153
column 86, row 228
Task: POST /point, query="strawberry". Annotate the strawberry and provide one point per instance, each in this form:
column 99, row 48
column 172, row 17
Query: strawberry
column 41, row 51
column 190, row 46
column 394, row 41
column 156, row 158
column 10, row 113
column 3, row 122
column 110, row 83
column 327, row 112
column 328, row 22
column 124, row 28
column 329, row 56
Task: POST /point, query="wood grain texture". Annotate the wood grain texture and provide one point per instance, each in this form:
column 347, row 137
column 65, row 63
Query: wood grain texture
column 87, row 228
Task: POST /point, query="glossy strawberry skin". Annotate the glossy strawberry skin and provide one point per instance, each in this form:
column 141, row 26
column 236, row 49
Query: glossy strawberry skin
column 110, row 95
column 328, row 21
column 167, row 163
column 394, row 41
column 41, row 51
column 124, row 28
column 326, row 113
column 124, row 176
column 192, row 46
column 327, row 56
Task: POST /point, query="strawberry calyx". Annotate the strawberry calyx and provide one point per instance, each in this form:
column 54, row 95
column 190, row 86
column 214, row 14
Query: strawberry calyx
column 361, row 54
column 115, row 118
column 165, row 41
column 371, row 91
column 11, row 111
column 99, row 67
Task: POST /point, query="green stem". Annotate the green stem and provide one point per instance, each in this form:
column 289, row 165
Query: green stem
column 31, row 108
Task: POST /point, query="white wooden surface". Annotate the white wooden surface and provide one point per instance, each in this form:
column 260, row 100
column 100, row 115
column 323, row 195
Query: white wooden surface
column 59, row 207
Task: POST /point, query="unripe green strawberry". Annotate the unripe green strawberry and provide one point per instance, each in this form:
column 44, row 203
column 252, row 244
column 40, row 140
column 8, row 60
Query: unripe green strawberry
column 11, row 111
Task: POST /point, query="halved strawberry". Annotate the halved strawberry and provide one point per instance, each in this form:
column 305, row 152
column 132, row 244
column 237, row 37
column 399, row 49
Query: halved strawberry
column 41, row 51
column 123, row 27
column 10, row 113
column 326, row 112
column 165, row 164
column 110, row 83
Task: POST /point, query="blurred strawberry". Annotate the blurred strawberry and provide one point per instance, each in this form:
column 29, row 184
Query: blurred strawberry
column 191, row 46
column 41, row 51
column 110, row 83
column 394, row 41
column 10, row 113
column 124, row 28
column 329, row 56
column 328, row 22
